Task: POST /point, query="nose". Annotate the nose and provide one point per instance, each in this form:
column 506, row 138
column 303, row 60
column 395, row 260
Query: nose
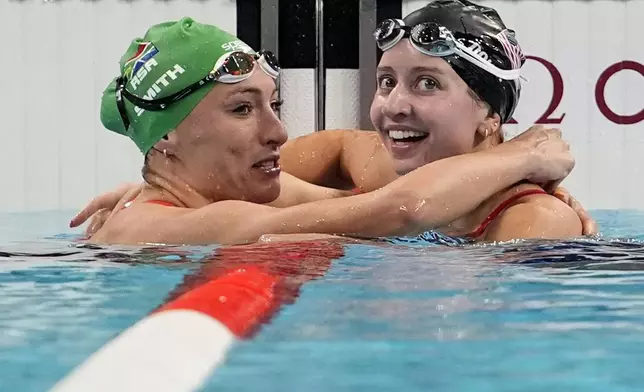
column 274, row 133
column 397, row 103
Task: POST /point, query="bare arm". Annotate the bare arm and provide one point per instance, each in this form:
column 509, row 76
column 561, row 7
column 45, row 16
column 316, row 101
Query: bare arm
column 339, row 159
column 335, row 148
column 316, row 158
column 295, row 191
column 429, row 197
column 366, row 161
column 544, row 217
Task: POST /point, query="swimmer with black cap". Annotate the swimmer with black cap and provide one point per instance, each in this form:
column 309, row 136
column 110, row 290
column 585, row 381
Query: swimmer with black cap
column 466, row 68
column 449, row 77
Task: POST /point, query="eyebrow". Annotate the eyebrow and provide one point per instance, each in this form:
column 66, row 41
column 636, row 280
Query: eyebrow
column 428, row 69
column 249, row 90
column 413, row 70
column 385, row 69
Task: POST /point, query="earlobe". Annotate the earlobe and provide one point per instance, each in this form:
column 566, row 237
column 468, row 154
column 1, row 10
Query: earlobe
column 490, row 125
column 485, row 130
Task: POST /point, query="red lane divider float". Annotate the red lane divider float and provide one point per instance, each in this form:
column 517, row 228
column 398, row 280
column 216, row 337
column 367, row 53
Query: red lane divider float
column 178, row 346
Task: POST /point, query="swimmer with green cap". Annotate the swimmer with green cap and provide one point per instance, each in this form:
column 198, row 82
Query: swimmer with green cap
column 202, row 108
column 172, row 60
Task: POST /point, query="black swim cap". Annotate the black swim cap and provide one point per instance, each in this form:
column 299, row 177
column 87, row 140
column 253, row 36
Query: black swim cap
column 473, row 24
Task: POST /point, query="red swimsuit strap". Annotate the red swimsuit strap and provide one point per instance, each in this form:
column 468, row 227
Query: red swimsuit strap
column 160, row 202
column 501, row 207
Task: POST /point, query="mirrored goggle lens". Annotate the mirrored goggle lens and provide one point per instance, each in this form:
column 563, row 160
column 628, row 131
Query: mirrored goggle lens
column 425, row 33
column 428, row 37
column 271, row 60
column 238, row 64
column 386, row 32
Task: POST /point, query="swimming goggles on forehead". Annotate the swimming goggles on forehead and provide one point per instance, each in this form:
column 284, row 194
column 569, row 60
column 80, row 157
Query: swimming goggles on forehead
column 238, row 66
column 434, row 40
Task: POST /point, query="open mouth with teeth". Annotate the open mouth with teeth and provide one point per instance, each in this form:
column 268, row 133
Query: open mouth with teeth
column 407, row 136
column 268, row 166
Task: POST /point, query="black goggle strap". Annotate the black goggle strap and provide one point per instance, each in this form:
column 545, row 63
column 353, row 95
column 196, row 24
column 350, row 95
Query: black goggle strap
column 163, row 103
column 152, row 104
column 120, row 87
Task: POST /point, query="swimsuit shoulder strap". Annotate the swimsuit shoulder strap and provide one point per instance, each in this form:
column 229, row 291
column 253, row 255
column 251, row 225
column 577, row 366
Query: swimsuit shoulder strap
column 160, row 202
column 502, row 207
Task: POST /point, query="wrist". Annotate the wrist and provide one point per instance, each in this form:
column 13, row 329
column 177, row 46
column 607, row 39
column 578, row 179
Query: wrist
column 524, row 160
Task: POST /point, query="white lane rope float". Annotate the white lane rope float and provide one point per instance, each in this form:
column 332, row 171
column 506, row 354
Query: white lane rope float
column 178, row 346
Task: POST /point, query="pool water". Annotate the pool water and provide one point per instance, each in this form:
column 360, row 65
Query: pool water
column 525, row 316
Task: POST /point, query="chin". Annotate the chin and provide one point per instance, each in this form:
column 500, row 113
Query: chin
column 404, row 166
column 266, row 195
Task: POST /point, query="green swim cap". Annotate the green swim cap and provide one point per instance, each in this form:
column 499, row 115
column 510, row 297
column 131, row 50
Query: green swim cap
column 171, row 56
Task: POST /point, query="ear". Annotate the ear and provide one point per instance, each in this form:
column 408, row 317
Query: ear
column 489, row 126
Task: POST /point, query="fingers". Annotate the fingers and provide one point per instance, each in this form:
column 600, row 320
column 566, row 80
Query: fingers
column 97, row 221
column 562, row 194
column 98, row 203
column 589, row 226
column 554, row 133
column 130, row 195
column 539, row 133
column 107, row 201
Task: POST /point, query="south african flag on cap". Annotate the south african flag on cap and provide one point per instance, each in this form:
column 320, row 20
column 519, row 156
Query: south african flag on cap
column 145, row 52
